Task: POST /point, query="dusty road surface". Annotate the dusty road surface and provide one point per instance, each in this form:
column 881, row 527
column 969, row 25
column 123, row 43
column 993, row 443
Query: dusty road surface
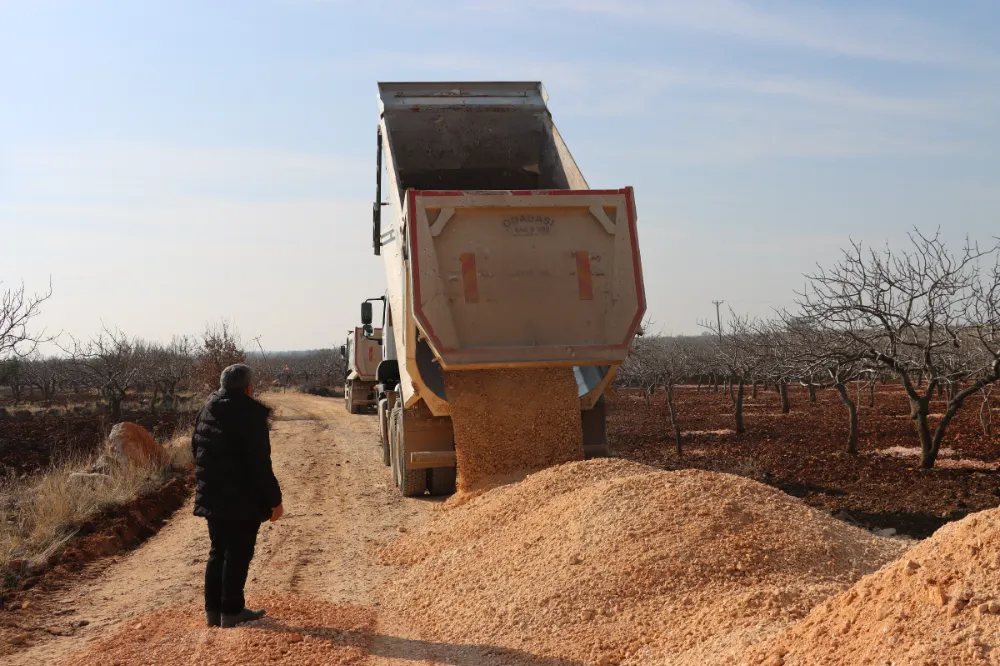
column 316, row 568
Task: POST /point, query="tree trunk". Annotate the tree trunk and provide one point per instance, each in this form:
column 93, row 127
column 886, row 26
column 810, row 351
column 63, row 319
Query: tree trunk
column 918, row 414
column 699, row 383
column 731, row 388
column 152, row 402
column 986, row 414
column 673, row 418
column 986, row 418
column 739, row 409
column 871, row 394
column 954, row 405
column 783, row 389
column 812, row 392
column 753, row 390
column 115, row 404
column 715, row 383
column 852, row 412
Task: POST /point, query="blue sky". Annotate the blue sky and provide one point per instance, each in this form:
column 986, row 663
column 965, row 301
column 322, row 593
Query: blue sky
column 171, row 163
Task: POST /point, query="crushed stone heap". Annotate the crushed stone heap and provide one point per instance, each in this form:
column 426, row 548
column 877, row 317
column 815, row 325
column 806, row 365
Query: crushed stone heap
column 607, row 561
column 939, row 605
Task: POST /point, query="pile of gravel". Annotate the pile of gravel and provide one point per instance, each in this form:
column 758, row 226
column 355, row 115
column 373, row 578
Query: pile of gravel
column 939, row 605
column 607, row 562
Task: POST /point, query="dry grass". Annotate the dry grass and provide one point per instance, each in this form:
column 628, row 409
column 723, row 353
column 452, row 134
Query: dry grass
column 40, row 514
column 178, row 448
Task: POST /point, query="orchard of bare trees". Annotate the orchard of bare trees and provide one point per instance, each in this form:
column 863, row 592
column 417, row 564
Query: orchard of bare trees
column 114, row 367
column 924, row 317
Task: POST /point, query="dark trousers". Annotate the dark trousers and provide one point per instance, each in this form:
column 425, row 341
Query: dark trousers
column 233, row 542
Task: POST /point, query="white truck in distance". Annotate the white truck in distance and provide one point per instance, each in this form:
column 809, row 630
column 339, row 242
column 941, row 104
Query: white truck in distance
column 362, row 353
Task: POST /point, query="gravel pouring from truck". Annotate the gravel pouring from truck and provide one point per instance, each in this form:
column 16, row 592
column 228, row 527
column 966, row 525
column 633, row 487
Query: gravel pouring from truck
column 498, row 255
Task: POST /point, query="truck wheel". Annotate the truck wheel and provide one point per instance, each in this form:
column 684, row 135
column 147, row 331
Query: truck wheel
column 351, row 407
column 443, row 480
column 383, row 430
column 394, row 446
column 413, row 482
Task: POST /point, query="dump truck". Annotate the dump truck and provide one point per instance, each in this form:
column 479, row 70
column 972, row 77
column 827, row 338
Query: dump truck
column 497, row 254
column 362, row 354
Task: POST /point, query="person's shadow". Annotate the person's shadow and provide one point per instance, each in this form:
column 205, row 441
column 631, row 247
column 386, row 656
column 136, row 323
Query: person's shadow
column 394, row 647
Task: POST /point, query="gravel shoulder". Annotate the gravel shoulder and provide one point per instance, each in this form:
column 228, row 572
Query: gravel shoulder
column 339, row 508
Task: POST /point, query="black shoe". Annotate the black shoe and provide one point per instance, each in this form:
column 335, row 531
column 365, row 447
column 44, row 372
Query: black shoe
column 245, row 615
column 213, row 618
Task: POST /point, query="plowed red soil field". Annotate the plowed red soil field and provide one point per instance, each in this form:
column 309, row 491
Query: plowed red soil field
column 804, row 452
column 32, row 444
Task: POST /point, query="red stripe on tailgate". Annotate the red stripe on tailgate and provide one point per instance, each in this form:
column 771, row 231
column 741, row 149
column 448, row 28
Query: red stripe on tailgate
column 470, row 280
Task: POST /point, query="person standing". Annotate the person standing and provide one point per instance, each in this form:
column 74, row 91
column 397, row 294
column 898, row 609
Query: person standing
column 236, row 491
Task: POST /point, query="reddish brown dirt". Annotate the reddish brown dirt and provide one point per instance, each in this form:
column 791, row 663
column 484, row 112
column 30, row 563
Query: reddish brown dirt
column 803, row 453
column 32, row 444
column 309, row 632
column 24, row 598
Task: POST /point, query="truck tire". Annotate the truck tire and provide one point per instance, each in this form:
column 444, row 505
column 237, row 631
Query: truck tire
column 442, row 480
column 393, row 458
column 383, row 430
column 351, row 407
column 413, row 482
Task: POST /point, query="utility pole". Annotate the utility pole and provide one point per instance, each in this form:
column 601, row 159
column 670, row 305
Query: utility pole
column 718, row 317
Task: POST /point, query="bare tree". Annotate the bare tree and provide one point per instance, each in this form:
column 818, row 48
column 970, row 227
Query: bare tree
column 221, row 346
column 828, row 359
column 661, row 362
column 45, row 375
column 738, row 351
column 114, row 362
column 168, row 367
column 14, row 376
column 776, row 357
column 17, row 309
column 925, row 314
column 986, row 410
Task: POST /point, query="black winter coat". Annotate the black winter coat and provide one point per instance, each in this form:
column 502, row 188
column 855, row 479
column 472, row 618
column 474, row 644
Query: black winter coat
column 232, row 455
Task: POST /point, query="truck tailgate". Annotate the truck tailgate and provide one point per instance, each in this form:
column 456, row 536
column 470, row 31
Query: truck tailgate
column 525, row 278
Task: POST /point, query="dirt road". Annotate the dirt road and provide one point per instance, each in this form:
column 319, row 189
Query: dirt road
column 339, row 507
